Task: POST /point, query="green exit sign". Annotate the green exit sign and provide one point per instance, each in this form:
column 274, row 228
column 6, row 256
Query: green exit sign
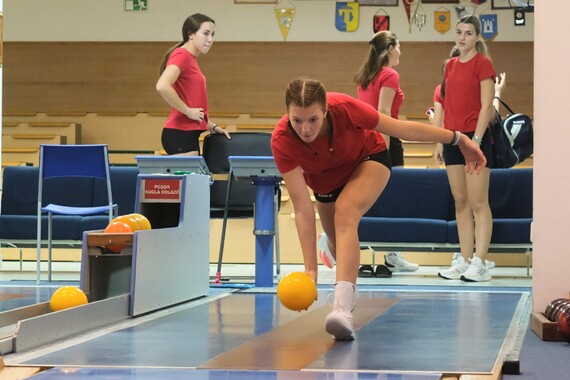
column 136, row 5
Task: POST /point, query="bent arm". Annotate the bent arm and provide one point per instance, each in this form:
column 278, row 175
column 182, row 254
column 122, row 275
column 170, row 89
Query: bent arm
column 409, row 130
column 165, row 88
column 304, row 219
column 413, row 131
column 500, row 83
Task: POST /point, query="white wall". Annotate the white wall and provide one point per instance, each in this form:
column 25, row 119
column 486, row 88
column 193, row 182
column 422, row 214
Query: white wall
column 105, row 20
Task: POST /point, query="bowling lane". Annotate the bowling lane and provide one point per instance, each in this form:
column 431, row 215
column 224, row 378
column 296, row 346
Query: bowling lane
column 423, row 331
column 176, row 374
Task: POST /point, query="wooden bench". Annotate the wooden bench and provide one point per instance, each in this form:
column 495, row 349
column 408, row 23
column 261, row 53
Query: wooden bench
column 22, row 155
column 31, row 140
column 127, row 157
column 257, row 127
column 266, row 115
column 70, row 130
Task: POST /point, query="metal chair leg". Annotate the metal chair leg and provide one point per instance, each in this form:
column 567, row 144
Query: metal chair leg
column 224, row 225
column 38, row 251
column 276, row 237
column 49, row 244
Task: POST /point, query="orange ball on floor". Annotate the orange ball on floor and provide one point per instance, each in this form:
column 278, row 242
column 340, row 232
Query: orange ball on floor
column 297, row 291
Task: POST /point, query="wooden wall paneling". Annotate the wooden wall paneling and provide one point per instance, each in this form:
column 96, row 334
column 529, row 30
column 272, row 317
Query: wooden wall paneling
column 243, row 77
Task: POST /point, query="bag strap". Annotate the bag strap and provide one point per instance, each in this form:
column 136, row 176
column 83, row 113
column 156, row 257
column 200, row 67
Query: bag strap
column 505, row 104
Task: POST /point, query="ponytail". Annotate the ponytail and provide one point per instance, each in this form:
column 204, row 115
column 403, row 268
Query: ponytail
column 167, row 56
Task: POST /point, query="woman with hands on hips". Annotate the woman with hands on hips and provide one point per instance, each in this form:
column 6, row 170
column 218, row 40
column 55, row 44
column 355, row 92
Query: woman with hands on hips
column 183, row 86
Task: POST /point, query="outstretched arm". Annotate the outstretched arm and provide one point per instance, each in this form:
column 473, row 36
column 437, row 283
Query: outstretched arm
column 409, row 130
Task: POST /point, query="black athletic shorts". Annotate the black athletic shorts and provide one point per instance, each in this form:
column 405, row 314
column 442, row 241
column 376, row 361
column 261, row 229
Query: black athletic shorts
column 381, row 157
column 453, row 155
column 396, row 152
column 175, row 141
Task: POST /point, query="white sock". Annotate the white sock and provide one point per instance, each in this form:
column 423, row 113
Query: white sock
column 345, row 295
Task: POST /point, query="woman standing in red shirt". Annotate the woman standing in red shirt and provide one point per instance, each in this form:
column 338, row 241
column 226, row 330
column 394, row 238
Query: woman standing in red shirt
column 183, row 86
column 468, row 107
column 330, row 142
column 379, row 85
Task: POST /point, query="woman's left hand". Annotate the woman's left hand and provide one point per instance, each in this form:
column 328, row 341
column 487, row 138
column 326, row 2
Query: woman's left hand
column 475, row 160
column 220, row 130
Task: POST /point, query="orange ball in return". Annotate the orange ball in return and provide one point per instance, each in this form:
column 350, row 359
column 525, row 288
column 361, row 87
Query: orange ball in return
column 297, row 291
column 130, row 220
column 66, row 297
column 114, row 228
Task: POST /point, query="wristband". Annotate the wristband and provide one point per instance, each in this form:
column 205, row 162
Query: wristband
column 213, row 130
column 476, row 139
column 456, row 138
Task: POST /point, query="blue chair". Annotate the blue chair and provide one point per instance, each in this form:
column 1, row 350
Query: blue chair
column 61, row 162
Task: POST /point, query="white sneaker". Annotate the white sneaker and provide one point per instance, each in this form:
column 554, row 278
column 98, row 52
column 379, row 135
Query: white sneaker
column 324, row 251
column 396, row 263
column 455, row 258
column 339, row 321
column 488, row 263
column 477, row 272
column 339, row 324
column 456, row 270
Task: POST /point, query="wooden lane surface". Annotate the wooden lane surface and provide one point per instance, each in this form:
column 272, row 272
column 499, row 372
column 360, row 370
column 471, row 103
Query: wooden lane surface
column 296, row 344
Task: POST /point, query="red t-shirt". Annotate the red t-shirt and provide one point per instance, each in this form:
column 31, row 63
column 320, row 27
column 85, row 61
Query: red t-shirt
column 354, row 138
column 387, row 77
column 191, row 88
column 462, row 101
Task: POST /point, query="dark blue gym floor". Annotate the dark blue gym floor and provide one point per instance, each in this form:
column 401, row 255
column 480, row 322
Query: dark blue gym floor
column 403, row 333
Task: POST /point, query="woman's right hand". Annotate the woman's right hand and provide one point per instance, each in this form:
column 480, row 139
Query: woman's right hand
column 196, row 114
column 313, row 274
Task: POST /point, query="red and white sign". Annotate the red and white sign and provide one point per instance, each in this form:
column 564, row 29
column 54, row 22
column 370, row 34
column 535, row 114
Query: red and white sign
column 165, row 190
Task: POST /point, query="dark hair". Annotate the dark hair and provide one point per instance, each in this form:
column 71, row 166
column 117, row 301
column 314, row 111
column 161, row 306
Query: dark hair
column 303, row 92
column 377, row 57
column 191, row 25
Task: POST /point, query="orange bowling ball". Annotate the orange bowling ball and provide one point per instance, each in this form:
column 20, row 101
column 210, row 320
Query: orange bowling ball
column 66, row 297
column 297, row 291
column 114, row 228
column 130, row 220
